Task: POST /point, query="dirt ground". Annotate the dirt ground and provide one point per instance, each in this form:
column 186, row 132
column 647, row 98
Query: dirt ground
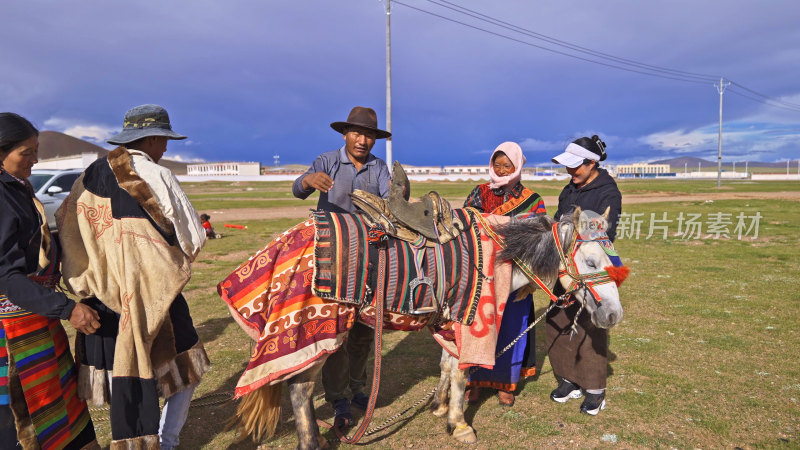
column 301, row 212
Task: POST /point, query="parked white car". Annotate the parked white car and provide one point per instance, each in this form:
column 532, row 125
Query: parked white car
column 51, row 188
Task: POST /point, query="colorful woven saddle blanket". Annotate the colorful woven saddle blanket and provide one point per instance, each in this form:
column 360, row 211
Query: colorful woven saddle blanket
column 417, row 279
column 271, row 294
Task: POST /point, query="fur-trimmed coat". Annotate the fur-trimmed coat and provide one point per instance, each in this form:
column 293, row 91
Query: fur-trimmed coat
column 121, row 248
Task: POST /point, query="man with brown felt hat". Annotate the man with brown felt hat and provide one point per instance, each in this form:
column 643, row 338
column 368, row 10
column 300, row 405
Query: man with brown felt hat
column 336, row 174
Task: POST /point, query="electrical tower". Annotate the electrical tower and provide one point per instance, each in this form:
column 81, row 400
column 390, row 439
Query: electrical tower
column 389, row 81
column 721, row 89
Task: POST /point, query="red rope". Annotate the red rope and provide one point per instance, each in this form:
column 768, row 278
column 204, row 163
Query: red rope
column 378, row 301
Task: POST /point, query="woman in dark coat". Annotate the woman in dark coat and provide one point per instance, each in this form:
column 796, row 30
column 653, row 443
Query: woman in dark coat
column 39, row 406
column 580, row 361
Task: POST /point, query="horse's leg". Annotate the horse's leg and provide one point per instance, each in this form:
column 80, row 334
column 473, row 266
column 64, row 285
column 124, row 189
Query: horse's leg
column 301, row 389
column 456, row 424
column 439, row 405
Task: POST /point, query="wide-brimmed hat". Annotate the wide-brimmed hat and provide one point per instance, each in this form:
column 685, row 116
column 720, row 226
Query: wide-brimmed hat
column 363, row 117
column 143, row 121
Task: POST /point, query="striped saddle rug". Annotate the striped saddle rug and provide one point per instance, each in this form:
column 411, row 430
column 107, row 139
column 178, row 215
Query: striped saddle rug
column 417, row 279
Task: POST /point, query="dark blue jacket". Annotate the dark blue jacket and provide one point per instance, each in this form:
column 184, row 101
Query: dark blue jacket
column 596, row 196
column 20, row 240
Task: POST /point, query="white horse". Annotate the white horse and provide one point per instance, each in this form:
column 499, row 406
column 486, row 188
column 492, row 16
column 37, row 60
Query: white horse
column 581, row 266
column 543, row 250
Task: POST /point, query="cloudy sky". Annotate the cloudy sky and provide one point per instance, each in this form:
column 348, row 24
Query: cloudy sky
column 247, row 79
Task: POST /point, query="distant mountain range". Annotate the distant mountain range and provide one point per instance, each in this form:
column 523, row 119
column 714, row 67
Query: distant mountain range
column 692, row 162
column 53, row 144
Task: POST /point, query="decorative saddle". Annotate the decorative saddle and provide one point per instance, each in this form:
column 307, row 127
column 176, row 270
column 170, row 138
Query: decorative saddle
column 431, row 217
column 414, row 279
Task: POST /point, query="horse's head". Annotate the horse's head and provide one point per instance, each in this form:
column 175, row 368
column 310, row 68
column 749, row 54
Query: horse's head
column 587, row 269
column 580, row 260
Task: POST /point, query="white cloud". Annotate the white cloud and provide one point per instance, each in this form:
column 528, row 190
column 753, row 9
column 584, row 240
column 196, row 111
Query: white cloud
column 183, row 158
column 92, row 132
column 680, row 141
column 98, row 133
column 530, row 146
column 748, row 137
column 485, row 151
column 766, row 134
column 536, row 145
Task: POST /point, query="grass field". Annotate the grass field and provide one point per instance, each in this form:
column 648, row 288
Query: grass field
column 275, row 195
column 706, row 356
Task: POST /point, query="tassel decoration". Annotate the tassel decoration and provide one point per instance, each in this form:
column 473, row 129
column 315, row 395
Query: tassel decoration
column 618, row 274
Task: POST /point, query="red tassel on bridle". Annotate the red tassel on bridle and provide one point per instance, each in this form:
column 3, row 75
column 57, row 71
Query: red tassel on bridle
column 618, row 274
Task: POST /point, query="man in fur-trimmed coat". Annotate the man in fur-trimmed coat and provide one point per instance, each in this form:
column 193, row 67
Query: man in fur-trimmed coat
column 129, row 235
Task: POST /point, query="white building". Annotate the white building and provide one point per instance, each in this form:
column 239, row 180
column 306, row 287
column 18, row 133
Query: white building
column 642, row 168
column 81, row 161
column 423, row 170
column 224, row 168
column 466, row 170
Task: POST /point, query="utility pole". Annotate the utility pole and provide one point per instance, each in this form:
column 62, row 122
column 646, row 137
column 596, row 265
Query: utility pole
column 745, row 168
column 734, row 167
column 389, row 80
column 721, row 88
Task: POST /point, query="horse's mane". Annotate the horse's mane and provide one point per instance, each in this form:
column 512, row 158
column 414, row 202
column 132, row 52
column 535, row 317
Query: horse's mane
column 531, row 240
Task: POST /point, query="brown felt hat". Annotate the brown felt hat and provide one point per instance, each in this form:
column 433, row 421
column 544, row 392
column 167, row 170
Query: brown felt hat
column 363, row 117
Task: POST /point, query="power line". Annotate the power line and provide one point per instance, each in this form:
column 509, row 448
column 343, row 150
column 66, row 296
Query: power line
column 788, row 104
column 575, row 47
column 766, row 102
column 677, row 78
column 647, row 69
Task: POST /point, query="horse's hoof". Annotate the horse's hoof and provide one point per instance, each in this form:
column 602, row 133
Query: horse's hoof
column 465, row 434
column 440, row 410
column 321, row 444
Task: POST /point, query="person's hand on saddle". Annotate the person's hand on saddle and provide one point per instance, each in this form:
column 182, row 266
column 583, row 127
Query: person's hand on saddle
column 319, row 181
column 84, row 319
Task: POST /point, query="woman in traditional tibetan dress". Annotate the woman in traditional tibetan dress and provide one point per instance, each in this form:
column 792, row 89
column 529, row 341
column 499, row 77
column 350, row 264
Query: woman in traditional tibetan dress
column 39, row 406
column 505, row 195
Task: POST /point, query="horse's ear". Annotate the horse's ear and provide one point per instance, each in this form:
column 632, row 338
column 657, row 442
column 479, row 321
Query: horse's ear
column 607, row 212
column 576, row 215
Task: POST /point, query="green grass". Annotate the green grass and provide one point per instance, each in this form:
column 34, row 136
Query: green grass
column 271, row 195
column 640, row 186
column 705, row 357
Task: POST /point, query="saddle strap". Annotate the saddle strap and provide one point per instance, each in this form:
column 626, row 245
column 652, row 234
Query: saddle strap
column 379, row 299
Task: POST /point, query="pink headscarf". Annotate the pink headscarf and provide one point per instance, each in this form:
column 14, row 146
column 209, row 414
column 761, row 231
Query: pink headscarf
column 514, row 152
